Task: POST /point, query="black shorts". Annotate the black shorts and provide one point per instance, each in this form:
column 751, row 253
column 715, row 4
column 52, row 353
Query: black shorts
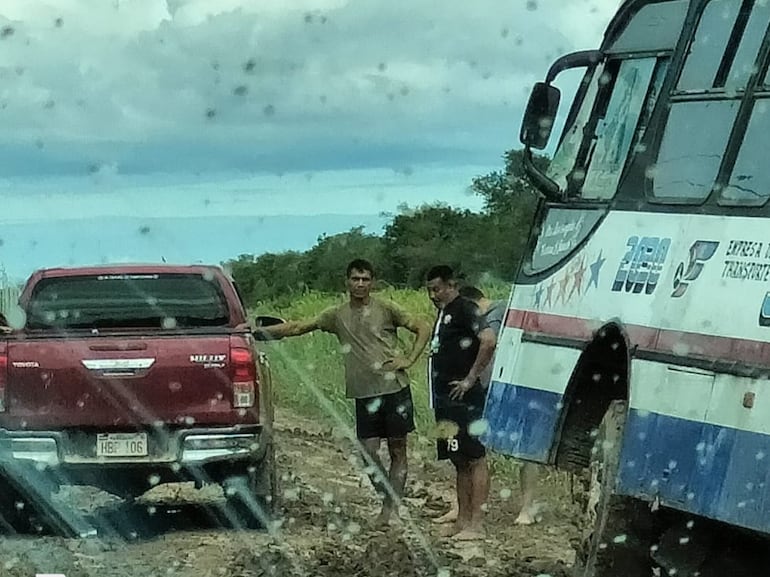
column 462, row 447
column 388, row 416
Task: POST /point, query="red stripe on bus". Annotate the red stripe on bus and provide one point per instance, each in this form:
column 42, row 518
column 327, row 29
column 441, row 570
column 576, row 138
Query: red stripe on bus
column 668, row 341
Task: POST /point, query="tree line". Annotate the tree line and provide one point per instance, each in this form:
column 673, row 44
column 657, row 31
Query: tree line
column 484, row 246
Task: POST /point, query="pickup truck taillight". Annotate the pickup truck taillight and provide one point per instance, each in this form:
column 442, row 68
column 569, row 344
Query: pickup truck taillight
column 244, row 376
column 3, row 378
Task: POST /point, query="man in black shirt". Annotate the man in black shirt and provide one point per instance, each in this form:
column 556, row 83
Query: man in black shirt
column 461, row 348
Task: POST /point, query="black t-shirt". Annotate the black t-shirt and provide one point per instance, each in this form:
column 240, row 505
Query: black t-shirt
column 457, row 346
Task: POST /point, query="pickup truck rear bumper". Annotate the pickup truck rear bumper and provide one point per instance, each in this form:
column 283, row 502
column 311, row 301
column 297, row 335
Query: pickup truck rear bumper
column 184, row 447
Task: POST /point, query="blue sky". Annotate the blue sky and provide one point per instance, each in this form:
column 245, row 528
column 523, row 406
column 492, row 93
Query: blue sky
column 172, row 109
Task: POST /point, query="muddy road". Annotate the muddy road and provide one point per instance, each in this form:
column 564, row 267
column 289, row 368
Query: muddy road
column 325, row 528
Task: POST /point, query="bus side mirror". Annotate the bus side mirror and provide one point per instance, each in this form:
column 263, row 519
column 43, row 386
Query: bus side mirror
column 540, row 116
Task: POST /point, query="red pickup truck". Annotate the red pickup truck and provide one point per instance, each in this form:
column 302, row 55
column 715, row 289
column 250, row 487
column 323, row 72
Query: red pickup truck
column 125, row 377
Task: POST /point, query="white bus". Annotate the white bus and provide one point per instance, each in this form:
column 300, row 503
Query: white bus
column 636, row 346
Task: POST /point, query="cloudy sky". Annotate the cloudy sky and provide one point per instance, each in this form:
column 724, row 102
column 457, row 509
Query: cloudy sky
column 173, row 108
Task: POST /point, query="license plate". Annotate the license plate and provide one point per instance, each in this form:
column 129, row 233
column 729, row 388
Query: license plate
column 121, row 445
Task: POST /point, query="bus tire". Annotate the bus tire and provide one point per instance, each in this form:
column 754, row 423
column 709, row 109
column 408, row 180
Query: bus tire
column 616, row 530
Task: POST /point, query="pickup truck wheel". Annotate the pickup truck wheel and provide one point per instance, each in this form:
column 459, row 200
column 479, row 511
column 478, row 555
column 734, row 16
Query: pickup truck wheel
column 617, row 530
column 253, row 496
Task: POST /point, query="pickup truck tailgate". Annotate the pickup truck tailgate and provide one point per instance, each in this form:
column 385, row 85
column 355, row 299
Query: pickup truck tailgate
column 123, row 382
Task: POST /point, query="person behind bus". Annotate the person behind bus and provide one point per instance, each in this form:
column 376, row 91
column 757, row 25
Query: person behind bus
column 494, row 315
column 461, row 349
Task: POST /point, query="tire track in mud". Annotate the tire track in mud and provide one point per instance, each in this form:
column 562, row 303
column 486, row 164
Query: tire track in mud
column 325, row 528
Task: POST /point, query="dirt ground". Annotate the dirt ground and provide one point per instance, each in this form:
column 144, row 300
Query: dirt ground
column 325, row 527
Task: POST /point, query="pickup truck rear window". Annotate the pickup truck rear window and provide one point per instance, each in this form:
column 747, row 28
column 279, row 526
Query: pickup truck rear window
column 127, row 301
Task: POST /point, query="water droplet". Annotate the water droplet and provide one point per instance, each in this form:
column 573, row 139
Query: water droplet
column 153, row 480
column 760, row 455
column 374, row 405
column 168, row 323
column 681, row 349
column 269, row 110
column 531, row 5
column 175, row 386
column 505, row 494
column 466, row 343
column 478, row 427
column 620, row 539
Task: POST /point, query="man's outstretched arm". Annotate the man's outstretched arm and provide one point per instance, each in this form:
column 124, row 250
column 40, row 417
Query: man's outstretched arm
column 287, row 329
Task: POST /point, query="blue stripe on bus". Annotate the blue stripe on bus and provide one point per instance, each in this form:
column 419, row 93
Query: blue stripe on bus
column 717, row 472
column 521, row 421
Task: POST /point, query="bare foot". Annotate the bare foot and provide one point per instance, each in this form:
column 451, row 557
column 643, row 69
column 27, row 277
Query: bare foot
column 386, row 517
column 470, row 534
column 449, row 517
column 451, row 530
column 525, row 518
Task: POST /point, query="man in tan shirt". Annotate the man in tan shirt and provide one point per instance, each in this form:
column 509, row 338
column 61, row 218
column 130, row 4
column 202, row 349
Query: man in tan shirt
column 375, row 373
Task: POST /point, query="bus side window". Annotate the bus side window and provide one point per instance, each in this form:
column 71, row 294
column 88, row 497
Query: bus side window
column 616, row 131
column 692, row 148
column 709, row 45
column 750, row 180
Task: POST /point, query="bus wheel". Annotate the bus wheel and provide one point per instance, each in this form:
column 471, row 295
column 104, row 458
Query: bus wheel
column 616, row 530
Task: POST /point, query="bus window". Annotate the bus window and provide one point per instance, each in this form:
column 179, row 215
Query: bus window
column 564, row 158
column 750, row 180
column 692, row 149
column 709, row 45
column 744, row 63
column 616, row 131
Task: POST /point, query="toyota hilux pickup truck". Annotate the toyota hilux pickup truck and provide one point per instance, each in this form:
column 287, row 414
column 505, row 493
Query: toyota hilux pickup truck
column 126, row 377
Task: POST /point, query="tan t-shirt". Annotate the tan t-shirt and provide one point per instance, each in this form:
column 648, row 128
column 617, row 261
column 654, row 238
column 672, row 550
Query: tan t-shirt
column 368, row 338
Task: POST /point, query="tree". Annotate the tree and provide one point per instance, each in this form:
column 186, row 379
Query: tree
column 432, row 234
column 327, row 260
column 268, row 275
column 510, row 203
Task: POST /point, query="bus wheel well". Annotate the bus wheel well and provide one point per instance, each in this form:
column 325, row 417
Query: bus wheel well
column 600, row 377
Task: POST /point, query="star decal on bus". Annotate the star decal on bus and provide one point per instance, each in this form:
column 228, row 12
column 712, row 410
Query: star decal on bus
column 549, row 293
column 577, row 278
column 596, row 268
column 569, row 284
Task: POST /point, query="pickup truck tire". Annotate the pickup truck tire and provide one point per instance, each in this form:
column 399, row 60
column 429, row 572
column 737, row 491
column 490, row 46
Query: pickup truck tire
column 617, row 530
column 253, row 496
